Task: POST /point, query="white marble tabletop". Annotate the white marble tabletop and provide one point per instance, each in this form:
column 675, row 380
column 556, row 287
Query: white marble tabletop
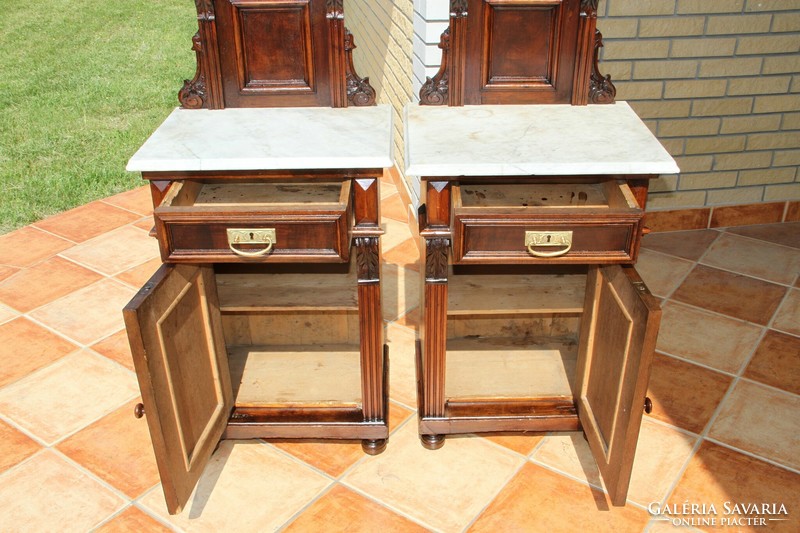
column 305, row 138
column 531, row 140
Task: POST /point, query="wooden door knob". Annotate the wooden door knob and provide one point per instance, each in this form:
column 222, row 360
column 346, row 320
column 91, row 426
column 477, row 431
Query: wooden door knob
column 648, row 405
column 138, row 410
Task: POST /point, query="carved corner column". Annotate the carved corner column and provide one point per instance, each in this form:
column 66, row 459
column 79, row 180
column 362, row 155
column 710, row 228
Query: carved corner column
column 447, row 87
column 433, row 335
column 366, row 234
column 205, row 89
column 335, row 15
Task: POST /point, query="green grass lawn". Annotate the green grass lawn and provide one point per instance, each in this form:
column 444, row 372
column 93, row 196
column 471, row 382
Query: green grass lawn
column 82, row 84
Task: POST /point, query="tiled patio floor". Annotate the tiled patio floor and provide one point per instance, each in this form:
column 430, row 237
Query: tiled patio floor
column 725, row 384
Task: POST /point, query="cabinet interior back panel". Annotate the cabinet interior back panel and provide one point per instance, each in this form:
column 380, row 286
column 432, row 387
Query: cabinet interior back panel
column 296, row 375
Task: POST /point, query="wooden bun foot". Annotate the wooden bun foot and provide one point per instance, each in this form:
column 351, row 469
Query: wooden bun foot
column 373, row 447
column 432, row 442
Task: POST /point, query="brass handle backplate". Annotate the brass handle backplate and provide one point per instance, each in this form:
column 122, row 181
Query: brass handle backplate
column 560, row 239
column 240, row 236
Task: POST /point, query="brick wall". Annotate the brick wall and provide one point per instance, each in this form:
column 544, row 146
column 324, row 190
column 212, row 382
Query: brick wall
column 383, row 30
column 719, row 82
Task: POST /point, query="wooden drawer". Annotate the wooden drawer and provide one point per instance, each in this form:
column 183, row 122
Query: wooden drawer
column 307, row 222
column 562, row 222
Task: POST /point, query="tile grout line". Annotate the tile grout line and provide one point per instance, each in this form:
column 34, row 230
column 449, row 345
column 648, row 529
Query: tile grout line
column 704, row 435
column 495, row 496
column 699, row 439
column 334, row 480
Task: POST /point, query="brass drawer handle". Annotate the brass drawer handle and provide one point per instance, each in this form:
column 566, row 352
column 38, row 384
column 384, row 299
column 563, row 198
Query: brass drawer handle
column 548, row 238
column 251, row 236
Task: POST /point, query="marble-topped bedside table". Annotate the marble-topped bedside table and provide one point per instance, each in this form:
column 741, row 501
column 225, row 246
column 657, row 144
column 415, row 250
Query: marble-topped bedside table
column 534, row 319
column 261, row 323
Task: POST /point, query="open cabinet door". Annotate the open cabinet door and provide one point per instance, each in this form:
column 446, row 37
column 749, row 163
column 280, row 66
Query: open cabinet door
column 175, row 331
column 618, row 338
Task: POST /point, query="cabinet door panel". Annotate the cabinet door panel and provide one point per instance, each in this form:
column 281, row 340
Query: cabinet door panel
column 175, row 331
column 618, row 338
column 274, row 53
column 521, row 51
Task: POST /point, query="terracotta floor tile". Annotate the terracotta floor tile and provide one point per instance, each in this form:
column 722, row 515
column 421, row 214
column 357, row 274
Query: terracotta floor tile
column 138, row 200
column 398, row 414
column 740, row 215
column 777, row 362
column 45, row 282
column 7, row 271
column 133, row 520
column 331, row 456
column 786, row 233
column 115, row 251
column 730, row 294
column 335, row 456
column 67, row 395
column 404, row 254
column 522, row 444
column 445, row 488
column 87, row 221
column 750, row 257
column 402, row 369
column 147, row 224
column 401, row 288
column 27, row 246
column 247, row 486
column 116, row 348
column 15, row 447
column 411, row 319
column 716, row 475
column 25, row 347
column 540, row 500
column 683, row 394
column 139, row 275
column 660, row 456
column 762, row 421
column 394, row 208
column 788, row 317
column 48, row 494
column 686, row 244
column 7, row 314
column 678, row 219
column 662, row 273
column 117, row 448
column 344, row 510
column 89, row 314
column 710, row 339
column 387, row 189
column 396, row 234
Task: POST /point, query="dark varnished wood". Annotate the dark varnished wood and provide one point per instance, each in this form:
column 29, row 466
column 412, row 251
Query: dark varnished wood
column 262, row 53
column 519, row 52
column 179, row 354
column 618, row 340
column 269, row 53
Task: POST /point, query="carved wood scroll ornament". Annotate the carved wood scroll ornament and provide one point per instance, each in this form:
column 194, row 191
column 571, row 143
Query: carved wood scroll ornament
column 359, row 91
column 193, row 93
column 435, row 90
column 601, row 90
